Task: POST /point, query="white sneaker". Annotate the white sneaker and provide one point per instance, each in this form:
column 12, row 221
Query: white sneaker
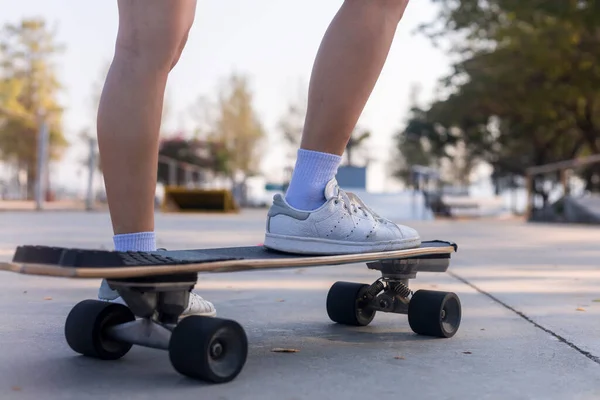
column 199, row 306
column 343, row 225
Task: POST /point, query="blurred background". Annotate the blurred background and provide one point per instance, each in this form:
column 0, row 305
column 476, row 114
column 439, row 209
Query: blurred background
column 484, row 109
column 484, row 123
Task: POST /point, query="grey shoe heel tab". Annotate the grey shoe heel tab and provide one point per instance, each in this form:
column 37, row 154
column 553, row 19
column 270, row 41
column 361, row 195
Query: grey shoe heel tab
column 281, row 207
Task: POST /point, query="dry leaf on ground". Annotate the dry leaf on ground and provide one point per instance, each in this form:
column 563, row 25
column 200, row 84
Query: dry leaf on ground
column 280, row 350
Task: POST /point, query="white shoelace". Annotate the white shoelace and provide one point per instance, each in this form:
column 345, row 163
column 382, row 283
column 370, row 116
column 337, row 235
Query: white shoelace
column 354, row 203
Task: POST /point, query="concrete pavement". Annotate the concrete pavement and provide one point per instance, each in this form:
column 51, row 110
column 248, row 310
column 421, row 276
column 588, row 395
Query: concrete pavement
column 530, row 329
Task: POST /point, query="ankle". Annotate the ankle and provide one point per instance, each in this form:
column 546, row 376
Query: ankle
column 312, row 173
column 140, row 241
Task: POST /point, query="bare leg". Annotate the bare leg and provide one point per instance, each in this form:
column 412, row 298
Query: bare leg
column 346, row 69
column 348, row 64
column 317, row 216
column 151, row 37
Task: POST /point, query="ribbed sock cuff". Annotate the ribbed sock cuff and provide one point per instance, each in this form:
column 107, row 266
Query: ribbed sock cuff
column 142, row 241
column 312, row 172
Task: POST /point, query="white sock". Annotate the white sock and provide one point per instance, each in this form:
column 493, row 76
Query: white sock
column 142, row 241
column 312, row 172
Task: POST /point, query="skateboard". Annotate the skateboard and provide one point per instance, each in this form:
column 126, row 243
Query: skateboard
column 155, row 287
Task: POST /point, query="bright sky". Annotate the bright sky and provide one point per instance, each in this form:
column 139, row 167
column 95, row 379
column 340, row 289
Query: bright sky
column 272, row 41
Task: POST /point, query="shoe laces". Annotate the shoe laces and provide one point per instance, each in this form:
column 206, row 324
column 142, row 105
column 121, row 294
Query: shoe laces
column 354, row 204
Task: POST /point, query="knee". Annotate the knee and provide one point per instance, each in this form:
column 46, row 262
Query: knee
column 391, row 10
column 179, row 49
column 395, row 8
column 157, row 47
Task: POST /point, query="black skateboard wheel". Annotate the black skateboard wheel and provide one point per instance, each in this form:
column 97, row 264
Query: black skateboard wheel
column 85, row 329
column 434, row 313
column 208, row 349
column 344, row 304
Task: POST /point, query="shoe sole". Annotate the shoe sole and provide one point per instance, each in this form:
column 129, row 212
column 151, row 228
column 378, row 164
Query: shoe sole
column 212, row 314
column 317, row 246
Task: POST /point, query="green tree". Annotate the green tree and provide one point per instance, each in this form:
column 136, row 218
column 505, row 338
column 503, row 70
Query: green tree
column 291, row 123
column 524, row 89
column 233, row 127
column 29, row 88
column 355, row 143
column 418, row 144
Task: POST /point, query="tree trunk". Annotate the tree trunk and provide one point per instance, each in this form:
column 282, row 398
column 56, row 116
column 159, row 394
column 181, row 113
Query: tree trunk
column 349, row 155
column 31, row 179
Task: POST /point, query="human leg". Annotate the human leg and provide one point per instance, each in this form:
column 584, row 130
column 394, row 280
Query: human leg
column 316, row 216
column 150, row 40
column 348, row 64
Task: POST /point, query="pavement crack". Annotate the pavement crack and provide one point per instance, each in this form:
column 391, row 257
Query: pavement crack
column 587, row 354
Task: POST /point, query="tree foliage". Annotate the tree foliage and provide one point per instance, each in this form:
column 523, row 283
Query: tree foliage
column 525, row 88
column 291, row 123
column 230, row 127
column 238, row 127
column 356, row 142
column 206, row 155
column 28, row 94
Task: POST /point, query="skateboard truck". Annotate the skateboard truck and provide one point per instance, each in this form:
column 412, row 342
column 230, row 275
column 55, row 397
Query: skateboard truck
column 395, row 275
column 158, row 307
column 160, row 301
column 431, row 313
column 394, row 299
column 206, row 348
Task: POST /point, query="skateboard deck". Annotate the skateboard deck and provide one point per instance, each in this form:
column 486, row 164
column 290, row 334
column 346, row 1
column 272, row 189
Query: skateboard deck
column 82, row 263
column 155, row 287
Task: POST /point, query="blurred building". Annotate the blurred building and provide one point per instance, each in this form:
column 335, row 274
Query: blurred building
column 13, row 183
column 350, row 177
